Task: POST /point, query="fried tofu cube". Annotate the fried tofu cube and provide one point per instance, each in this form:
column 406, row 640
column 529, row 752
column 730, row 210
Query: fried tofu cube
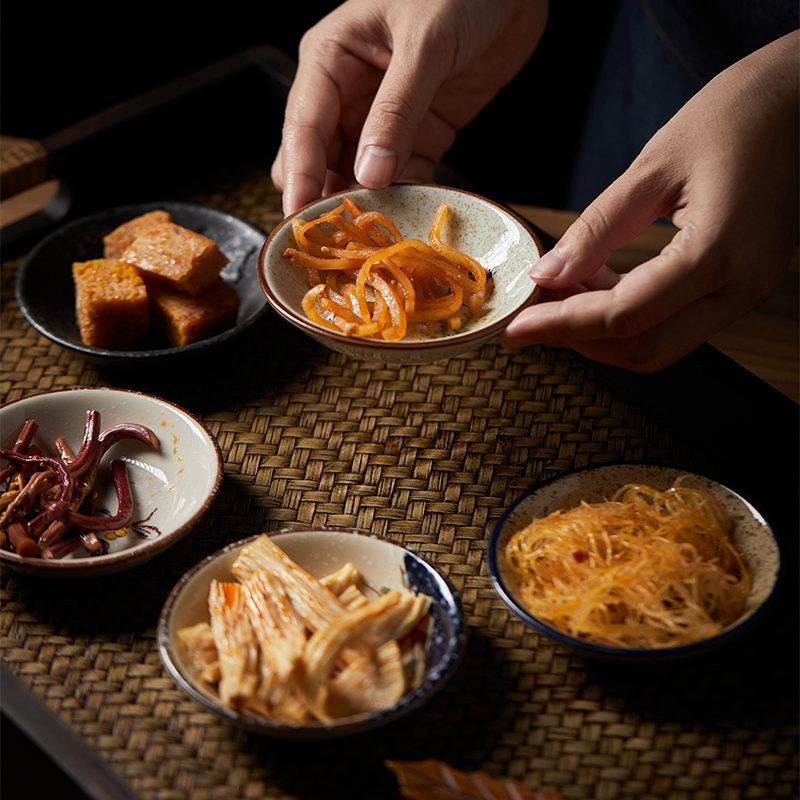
column 115, row 243
column 111, row 304
column 189, row 261
column 189, row 318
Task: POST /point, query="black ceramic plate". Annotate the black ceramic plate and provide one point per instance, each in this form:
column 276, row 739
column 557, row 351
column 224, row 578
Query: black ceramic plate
column 46, row 294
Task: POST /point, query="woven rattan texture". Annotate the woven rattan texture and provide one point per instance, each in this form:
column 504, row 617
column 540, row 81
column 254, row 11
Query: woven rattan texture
column 428, row 455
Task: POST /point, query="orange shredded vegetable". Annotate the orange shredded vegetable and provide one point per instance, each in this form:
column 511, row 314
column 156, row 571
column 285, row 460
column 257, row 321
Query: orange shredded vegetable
column 368, row 281
column 646, row 569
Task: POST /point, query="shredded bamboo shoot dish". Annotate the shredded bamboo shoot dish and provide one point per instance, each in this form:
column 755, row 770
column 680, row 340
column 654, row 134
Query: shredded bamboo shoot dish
column 289, row 647
column 367, row 280
column 646, row 569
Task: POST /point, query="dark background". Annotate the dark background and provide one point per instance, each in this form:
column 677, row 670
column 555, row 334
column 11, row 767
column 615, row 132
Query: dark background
column 76, row 60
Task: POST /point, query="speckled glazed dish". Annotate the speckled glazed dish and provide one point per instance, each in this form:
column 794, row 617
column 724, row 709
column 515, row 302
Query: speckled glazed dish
column 502, row 242
column 751, row 533
column 384, row 565
column 45, row 291
column 173, row 487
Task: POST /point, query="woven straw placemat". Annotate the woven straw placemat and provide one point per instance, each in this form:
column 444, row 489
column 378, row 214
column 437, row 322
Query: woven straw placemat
column 428, row 455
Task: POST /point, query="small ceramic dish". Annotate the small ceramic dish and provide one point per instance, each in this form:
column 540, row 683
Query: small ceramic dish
column 173, row 486
column 45, row 291
column 502, row 242
column 751, row 533
column 320, row 551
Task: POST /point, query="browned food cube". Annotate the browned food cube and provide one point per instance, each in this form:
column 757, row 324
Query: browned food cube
column 189, row 261
column 117, row 241
column 111, row 303
column 189, row 318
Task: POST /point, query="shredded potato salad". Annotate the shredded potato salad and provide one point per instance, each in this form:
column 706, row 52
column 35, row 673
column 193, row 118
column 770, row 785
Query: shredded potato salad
column 647, row 569
column 367, row 280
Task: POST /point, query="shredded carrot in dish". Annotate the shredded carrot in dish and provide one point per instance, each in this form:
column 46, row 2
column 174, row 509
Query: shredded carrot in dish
column 368, row 281
column 646, row 569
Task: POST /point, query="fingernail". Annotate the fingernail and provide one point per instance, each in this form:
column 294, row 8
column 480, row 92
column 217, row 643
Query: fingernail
column 548, row 266
column 376, row 167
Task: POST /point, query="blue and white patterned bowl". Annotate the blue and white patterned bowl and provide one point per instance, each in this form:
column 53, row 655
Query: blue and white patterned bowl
column 384, row 565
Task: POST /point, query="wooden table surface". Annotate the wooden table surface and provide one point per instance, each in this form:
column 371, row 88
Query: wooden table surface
column 766, row 341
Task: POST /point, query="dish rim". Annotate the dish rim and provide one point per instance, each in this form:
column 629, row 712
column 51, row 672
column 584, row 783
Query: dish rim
column 145, row 549
column 314, row 729
column 608, row 651
column 311, row 328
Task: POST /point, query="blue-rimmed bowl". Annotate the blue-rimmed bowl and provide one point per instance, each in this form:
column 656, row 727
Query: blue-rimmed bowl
column 384, row 565
column 751, row 533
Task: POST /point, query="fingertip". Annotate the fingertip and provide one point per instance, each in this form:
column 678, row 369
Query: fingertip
column 276, row 171
column 515, row 334
column 301, row 192
column 376, row 167
column 293, row 200
column 547, row 268
column 334, row 183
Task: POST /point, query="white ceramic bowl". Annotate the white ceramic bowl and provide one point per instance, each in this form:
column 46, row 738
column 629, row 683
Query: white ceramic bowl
column 751, row 533
column 173, row 487
column 502, row 242
column 320, row 551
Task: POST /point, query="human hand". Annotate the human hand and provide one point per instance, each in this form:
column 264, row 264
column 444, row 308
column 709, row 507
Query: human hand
column 383, row 86
column 725, row 171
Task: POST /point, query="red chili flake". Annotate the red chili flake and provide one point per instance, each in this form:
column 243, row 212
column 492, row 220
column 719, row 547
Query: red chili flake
column 580, row 556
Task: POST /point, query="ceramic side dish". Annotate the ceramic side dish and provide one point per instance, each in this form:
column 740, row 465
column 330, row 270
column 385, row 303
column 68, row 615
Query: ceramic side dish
column 173, row 486
column 320, row 551
column 502, row 242
column 45, row 291
column 751, row 533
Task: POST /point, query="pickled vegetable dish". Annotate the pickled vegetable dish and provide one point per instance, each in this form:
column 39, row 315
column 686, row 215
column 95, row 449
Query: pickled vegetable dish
column 47, row 503
column 368, row 281
column 646, row 569
column 287, row 646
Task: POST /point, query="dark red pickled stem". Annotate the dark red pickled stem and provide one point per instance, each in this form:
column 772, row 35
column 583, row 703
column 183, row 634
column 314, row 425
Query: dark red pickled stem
column 57, row 507
column 82, row 489
column 89, row 446
column 116, row 433
column 22, row 444
column 52, row 533
column 39, row 483
column 67, row 481
column 61, row 548
column 21, row 541
column 26, row 470
column 90, row 541
column 26, row 435
column 40, row 522
column 127, row 430
column 64, row 451
column 124, row 505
